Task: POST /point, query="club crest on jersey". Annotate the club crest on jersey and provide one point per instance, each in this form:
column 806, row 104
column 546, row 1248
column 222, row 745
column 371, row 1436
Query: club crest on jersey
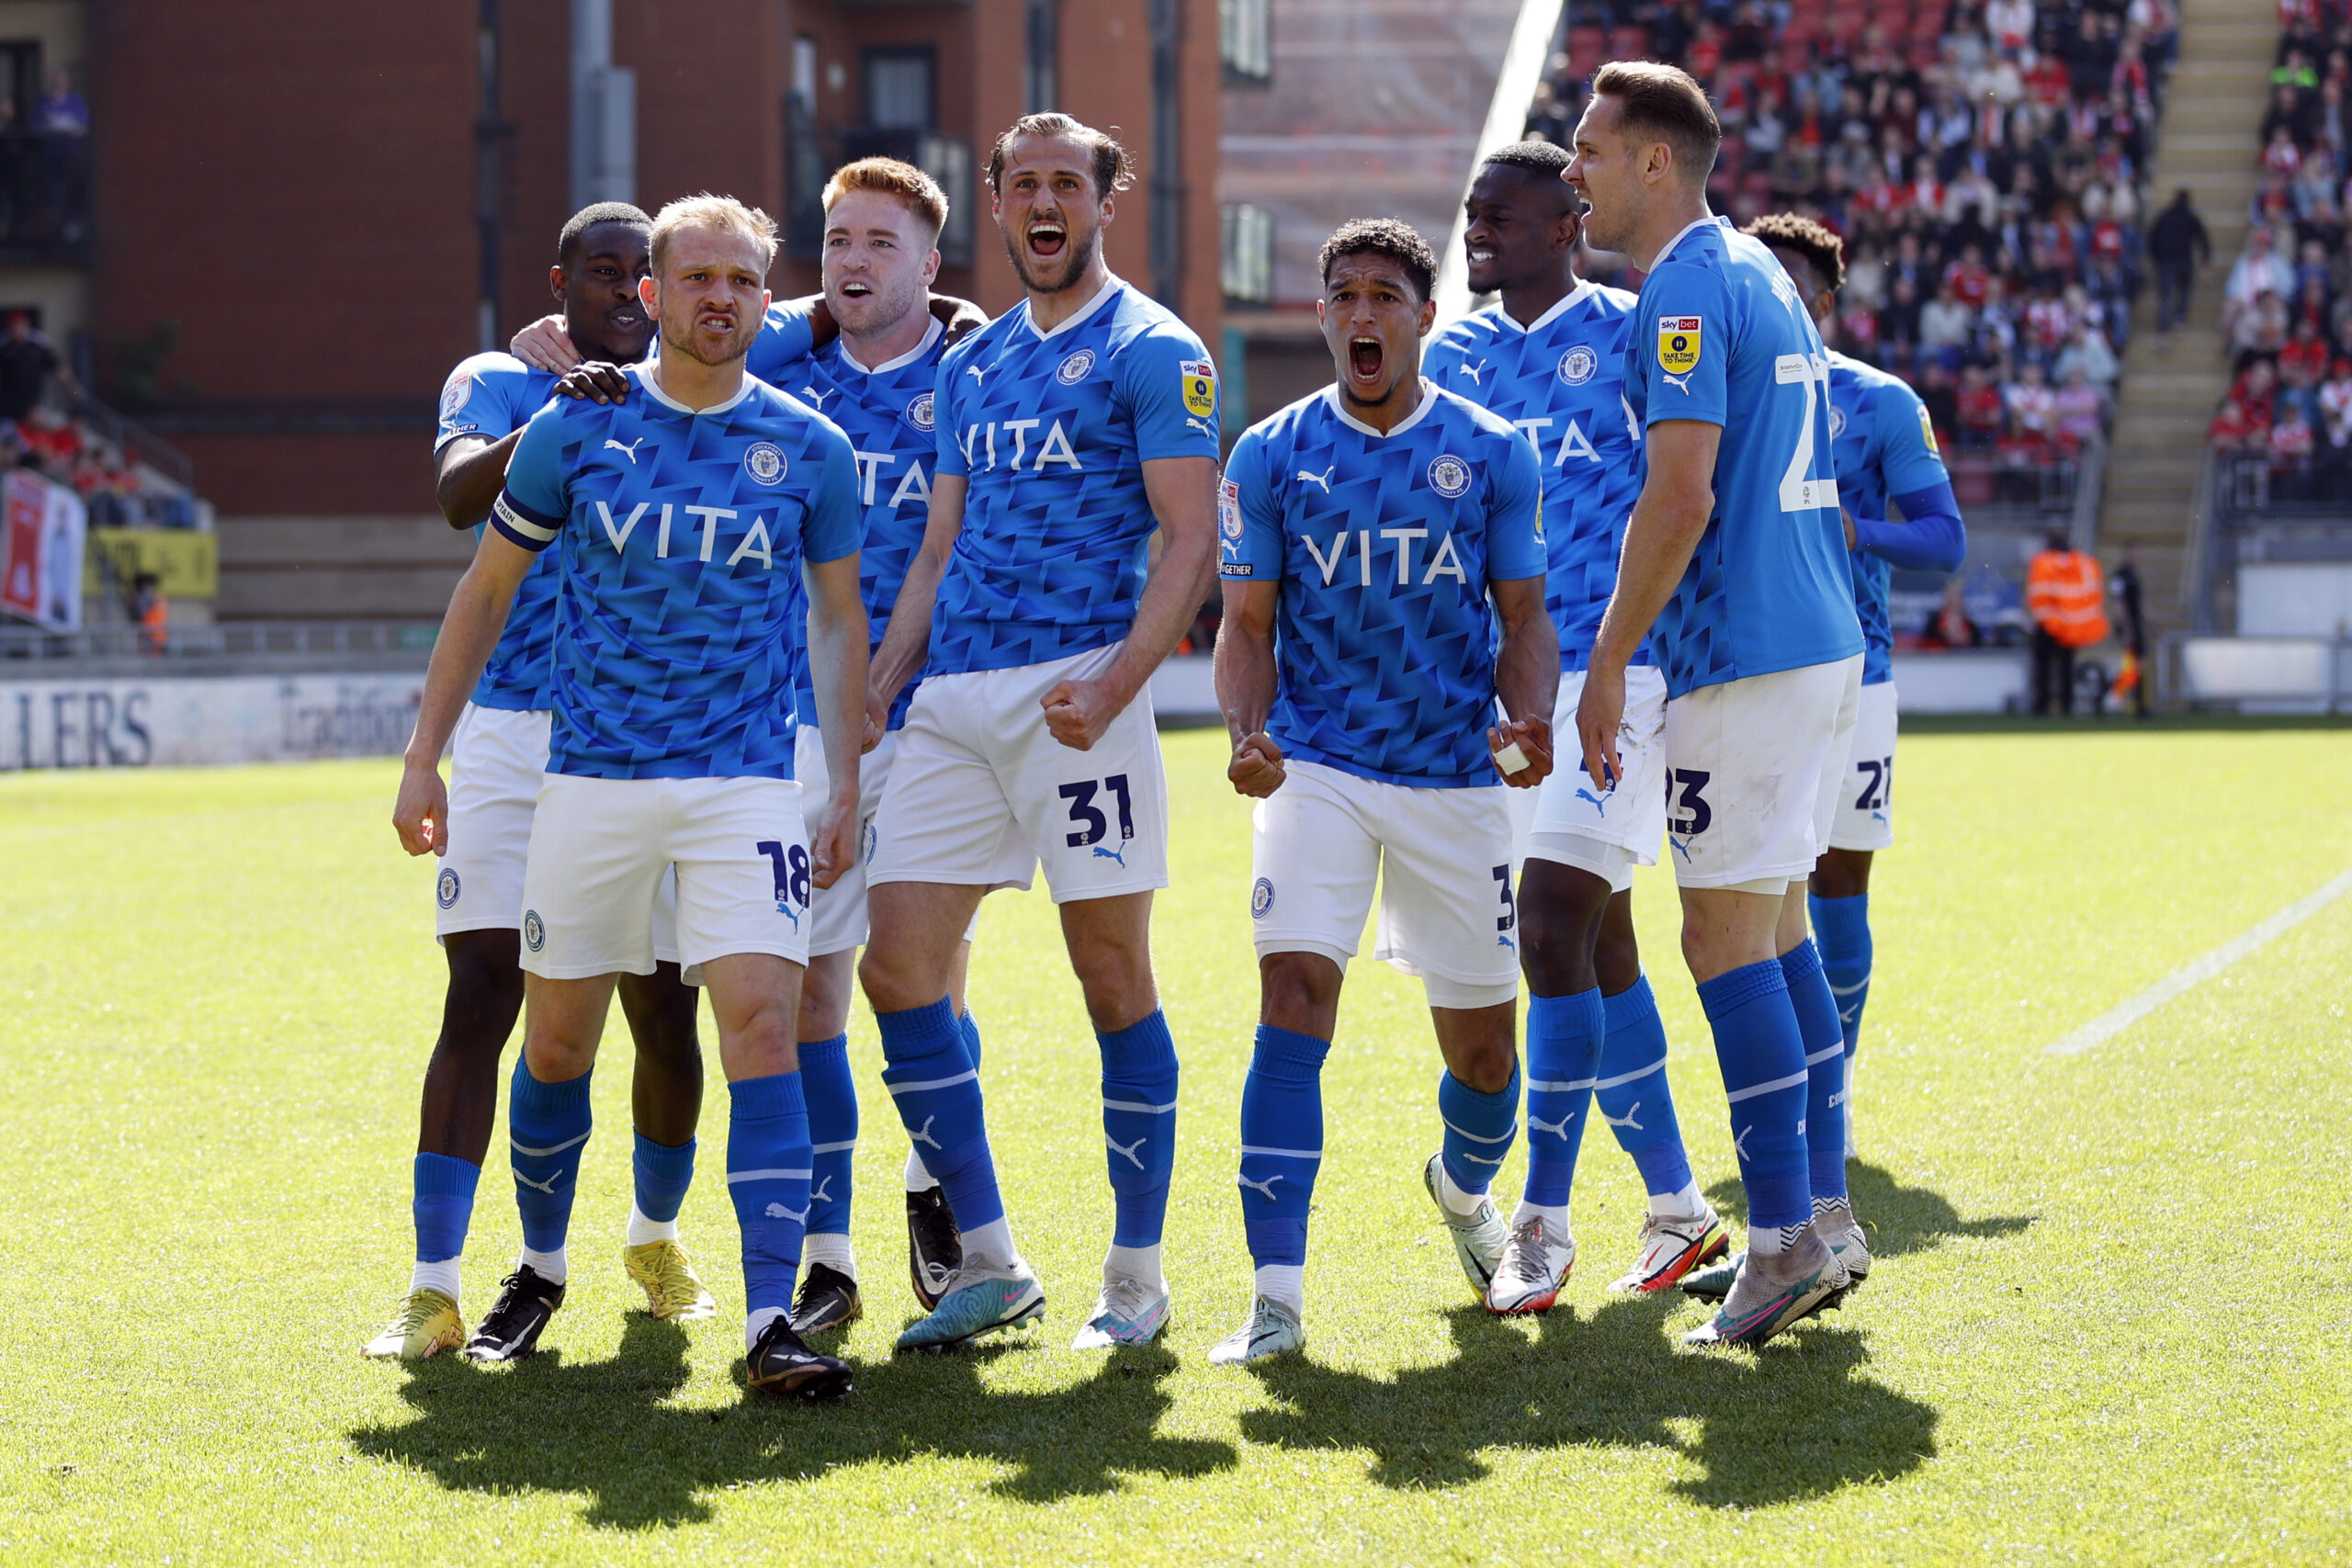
column 445, row 887
column 1837, row 422
column 1261, row 898
column 457, row 392
column 919, row 412
column 1677, row 344
column 1578, row 365
column 1200, row 387
column 764, row 460
column 1073, row 369
column 535, row 931
column 1928, row 431
column 1449, row 476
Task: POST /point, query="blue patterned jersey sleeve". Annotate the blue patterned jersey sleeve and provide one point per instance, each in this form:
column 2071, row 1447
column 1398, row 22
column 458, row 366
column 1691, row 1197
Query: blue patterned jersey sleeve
column 1168, row 387
column 1515, row 545
column 786, row 335
column 531, row 509
column 1683, row 334
column 836, row 524
column 948, row 455
column 1250, row 525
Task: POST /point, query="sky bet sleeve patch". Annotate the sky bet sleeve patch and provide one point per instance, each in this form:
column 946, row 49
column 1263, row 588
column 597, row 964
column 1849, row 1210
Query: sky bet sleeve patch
column 1200, row 387
column 1677, row 344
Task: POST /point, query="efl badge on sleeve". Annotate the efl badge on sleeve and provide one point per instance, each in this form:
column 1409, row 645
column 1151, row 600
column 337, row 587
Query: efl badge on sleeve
column 1677, row 344
column 1927, row 431
column 1200, row 387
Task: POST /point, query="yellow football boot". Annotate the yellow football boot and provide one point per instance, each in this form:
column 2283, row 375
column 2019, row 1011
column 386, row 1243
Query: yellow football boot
column 428, row 1323
column 673, row 1291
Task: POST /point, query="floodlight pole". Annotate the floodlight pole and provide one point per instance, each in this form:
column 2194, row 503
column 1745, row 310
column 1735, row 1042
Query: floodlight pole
column 1522, row 68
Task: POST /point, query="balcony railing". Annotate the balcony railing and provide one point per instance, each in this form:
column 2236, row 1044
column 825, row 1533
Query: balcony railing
column 44, row 198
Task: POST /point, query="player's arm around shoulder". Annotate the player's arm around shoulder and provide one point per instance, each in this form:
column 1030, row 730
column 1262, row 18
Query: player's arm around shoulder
column 477, row 426
column 1249, row 543
column 1527, row 665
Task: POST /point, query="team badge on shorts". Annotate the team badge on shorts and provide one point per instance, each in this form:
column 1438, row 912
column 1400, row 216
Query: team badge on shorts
column 535, row 931
column 1261, row 898
column 1200, row 387
column 1449, row 476
column 919, row 412
column 1677, row 344
column 764, row 460
column 1578, row 365
column 1073, row 369
column 445, row 887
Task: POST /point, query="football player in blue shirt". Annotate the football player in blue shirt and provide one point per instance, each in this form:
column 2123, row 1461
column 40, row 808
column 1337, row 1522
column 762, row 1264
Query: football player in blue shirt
column 1069, row 429
column 1735, row 553
column 682, row 516
column 1549, row 358
column 1885, row 450
column 499, row 756
column 1372, row 535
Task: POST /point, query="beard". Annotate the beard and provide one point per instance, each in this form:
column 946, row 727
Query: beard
column 1078, row 255
column 679, row 337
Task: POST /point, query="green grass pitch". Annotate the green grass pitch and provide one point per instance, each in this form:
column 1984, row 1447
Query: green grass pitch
column 2109, row 1322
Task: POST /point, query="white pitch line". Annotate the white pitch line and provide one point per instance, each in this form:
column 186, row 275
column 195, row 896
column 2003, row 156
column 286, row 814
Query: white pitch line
column 2111, row 1023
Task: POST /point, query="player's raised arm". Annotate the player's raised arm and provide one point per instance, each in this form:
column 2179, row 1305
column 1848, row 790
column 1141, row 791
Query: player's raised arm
column 470, row 630
column 467, row 474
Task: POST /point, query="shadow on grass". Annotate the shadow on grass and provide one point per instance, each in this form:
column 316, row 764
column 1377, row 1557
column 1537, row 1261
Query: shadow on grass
column 602, row 1429
column 1794, row 1421
column 1896, row 1218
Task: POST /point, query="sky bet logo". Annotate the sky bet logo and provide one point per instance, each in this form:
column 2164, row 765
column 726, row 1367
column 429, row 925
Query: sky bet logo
column 979, row 444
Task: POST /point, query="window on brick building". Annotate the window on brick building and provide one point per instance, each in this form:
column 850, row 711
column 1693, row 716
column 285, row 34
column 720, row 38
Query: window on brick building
column 900, row 89
column 1245, row 38
column 1247, row 267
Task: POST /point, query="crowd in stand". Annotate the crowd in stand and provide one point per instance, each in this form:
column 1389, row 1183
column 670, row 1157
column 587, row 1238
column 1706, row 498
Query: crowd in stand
column 37, row 435
column 1986, row 164
column 2287, row 306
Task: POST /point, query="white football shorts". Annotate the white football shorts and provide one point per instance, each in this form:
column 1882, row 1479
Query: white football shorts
column 981, row 792
column 601, row 848
column 838, row 918
column 1606, row 832
column 1752, row 771
column 1441, row 861
column 1866, row 800
column 498, row 759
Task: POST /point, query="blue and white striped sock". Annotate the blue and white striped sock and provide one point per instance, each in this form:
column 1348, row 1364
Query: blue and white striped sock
column 1563, row 1055
column 1281, row 1151
column 767, row 1177
column 546, row 1126
column 1139, row 1079
column 1637, row 1102
column 441, row 1204
column 1762, row 1058
column 664, row 1172
column 937, row 1090
column 1825, row 1061
column 832, row 1094
column 1479, row 1132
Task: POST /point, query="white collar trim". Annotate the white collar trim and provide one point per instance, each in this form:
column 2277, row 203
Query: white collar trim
column 1688, row 229
column 1560, row 307
column 907, row 358
column 1420, row 411
column 1111, row 284
column 653, row 391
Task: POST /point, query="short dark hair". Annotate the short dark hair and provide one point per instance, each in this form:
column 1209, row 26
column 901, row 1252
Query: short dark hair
column 1822, row 250
column 1115, row 167
column 588, row 217
column 1536, row 156
column 1390, row 237
column 1665, row 103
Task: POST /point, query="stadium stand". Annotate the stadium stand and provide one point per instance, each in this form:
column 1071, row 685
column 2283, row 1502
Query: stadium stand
column 1986, row 163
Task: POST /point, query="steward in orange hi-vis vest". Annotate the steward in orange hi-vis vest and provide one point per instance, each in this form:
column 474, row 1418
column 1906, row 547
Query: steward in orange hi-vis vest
column 2065, row 593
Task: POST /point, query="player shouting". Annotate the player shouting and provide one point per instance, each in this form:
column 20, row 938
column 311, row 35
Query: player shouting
column 1549, row 358
column 682, row 514
column 1735, row 552
column 500, row 757
column 1364, row 533
column 1069, row 428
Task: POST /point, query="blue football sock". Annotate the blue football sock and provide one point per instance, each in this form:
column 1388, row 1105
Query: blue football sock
column 1138, row 1126
column 547, row 1126
column 1563, row 1055
column 443, row 1204
column 1632, row 1093
column 1841, row 928
column 1480, row 1130
column 1762, row 1058
column 927, row 1068
column 832, row 1131
column 767, row 1176
column 1281, row 1142
column 663, row 1171
column 1825, row 1061
column 969, row 1028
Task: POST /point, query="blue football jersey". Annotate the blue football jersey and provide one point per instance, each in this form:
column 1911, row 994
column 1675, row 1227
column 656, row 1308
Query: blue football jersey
column 886, row 411
column 1885, row 446
column 1719, row 330
column 1051, row 431
column 682, row 536
column 1383, row 547
column 1561, row 379
column 785, row 339
column 490, row 396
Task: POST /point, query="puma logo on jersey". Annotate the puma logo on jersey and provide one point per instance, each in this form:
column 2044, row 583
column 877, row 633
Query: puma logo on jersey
column 817, row 398
column 976, row 372
column 1196, row 424
column 1682, row 381
column 1323, row 478
column 630, row 449
column 1267, row 1186
column 1126, row 1151
column 1473, row 371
